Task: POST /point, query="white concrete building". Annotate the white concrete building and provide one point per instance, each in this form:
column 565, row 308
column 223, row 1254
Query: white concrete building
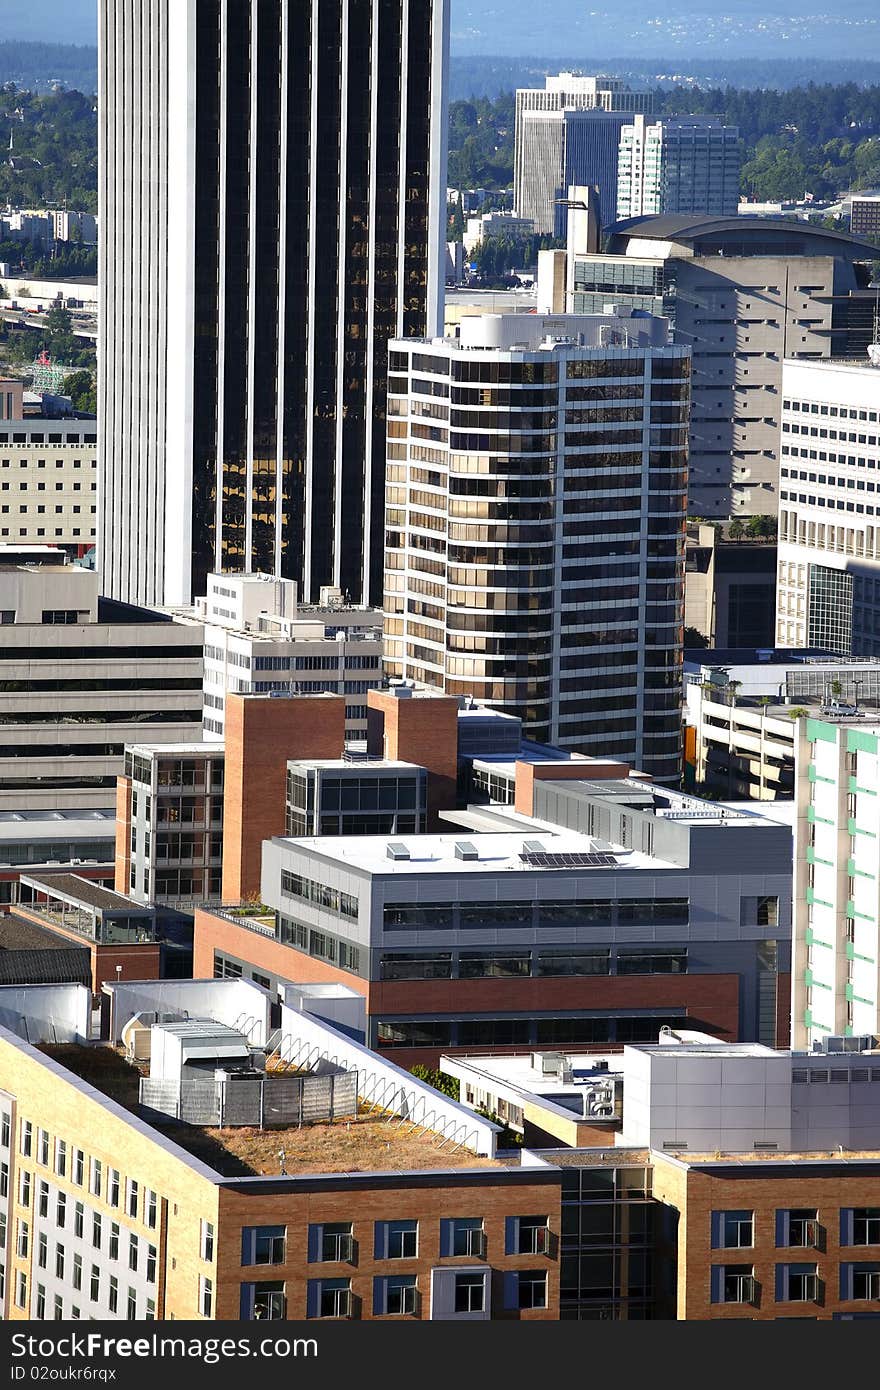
column 836, row 943
column 48, row 483
column 828, row 590
column 80, row 678
column 687, row 1093
column 681, row 164
column 257, row 639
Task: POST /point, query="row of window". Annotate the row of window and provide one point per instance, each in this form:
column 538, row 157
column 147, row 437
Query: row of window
column 395, row 1294
column 441, row 965
column 794, row 1283
column 73, row 1311
column 69, row 1161
column 796, row 1228
column 543, row 913
column 335, row 1242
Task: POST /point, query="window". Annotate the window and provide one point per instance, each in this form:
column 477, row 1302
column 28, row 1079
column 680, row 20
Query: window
column 77, row 1271
column 5, row 1129
column 151, row 1207
column 113, row 1296
column 43, row 1250
column 79, row 1212
column 96, row 1230
column 21, row 1289
column 150, row 1315
column 131, row 1307
column 464, row 1236
column 470, row 1293
column 532, row 1288
column 95, row 1284
column 43, row 1147
column 207, row 1240
column 3, row 1220
column 96, row 1176
column 397, row 1295
column 133, row 1252
column 335, row 1241
column 401, row 1239
column 263, row 1301
column 206, row 1296
column 61, row 1157
column 799, row 1228
column 4, row 1179
column 113, row 1246
column 40, row 1308
column 797, row 1283
column 131, row 1197
column 865, row 1226
column 79, row 1165
column 733, row 1284
column 531, row 1236
column 334, row 1298
column 27, row 1138
column 43, row 1199
column 59, row 1261
column 21, row 1245
column 263, row 1245
column 732, row 1230
column 151, row 1264
column 865, row 1283
column 61, row 1210
column 58, row 1313
column 24, row 1188
column 113, row 1187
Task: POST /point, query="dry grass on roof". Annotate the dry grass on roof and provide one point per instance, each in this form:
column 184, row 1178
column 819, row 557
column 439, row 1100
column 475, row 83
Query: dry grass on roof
column 360, row 1145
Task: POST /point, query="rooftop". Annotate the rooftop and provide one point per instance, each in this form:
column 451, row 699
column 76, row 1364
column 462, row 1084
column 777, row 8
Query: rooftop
column 490, row 853
column 368, row 1143
column 82, row 890
column 20, row 934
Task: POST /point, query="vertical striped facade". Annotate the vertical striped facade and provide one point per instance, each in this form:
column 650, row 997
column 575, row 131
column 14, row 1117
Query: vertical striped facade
column 272, row 180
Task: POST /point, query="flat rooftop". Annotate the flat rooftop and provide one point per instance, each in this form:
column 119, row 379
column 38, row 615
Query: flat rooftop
column 366, row 765
column 20, row 934
column 493, row 853
column 363, row 1143
column 661, row 802
column 82, row 890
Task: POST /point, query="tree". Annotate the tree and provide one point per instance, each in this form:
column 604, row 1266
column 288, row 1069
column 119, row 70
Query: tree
column 694, row 638
column 736, row 530
column 797, row 712
column 440, row 1080
column 82, row 390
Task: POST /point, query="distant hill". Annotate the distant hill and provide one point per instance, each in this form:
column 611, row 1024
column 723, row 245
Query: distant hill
column 37, row 67
column 67, row 21
column 477, row 75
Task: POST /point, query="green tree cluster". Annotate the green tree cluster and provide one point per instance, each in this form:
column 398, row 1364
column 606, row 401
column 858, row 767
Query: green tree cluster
column 54, row 159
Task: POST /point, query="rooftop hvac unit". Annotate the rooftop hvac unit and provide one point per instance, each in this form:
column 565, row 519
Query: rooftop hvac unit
column 547, row 1063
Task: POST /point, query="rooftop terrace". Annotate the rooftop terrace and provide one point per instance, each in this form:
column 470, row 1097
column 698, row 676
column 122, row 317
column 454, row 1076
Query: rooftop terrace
column 369, row 1143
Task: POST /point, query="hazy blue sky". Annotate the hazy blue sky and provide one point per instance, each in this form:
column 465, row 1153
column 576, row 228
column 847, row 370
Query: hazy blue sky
column 52, row 21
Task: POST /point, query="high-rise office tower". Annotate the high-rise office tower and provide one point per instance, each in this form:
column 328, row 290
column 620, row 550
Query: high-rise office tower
column 272, row 183
column 743, row 293
column 537, row 477
column 828, row 588
column 687, row 164
column 569, row 133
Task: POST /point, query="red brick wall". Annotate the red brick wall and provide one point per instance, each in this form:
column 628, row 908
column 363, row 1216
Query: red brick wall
column 426, row 1201
column 262, row 732
column 527, row 774
column 421, row 730
column 216, row 933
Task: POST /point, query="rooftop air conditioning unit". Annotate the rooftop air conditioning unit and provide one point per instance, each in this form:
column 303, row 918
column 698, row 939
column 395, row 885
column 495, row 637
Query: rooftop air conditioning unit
column 548, row 1063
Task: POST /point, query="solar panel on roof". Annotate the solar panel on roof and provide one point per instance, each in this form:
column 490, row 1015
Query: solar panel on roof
column 540, row 860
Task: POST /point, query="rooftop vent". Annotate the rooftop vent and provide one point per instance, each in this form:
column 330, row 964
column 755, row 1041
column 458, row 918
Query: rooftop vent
column 465, row 850
column 397, row 850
